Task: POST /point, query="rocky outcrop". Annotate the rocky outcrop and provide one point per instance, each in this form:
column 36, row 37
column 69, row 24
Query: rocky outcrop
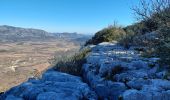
column 116, row 73
column 112, row 72
column 52, row 86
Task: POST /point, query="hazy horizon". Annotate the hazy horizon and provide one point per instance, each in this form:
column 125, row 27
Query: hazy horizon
column 81, row 16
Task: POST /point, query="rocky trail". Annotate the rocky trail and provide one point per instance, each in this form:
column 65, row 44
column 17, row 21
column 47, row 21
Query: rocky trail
column 111, row 73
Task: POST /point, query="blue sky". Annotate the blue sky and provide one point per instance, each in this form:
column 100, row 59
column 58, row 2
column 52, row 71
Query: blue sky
column 83, row 16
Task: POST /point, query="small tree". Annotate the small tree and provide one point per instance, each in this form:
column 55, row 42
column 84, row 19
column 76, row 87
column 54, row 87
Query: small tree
column 154, row 11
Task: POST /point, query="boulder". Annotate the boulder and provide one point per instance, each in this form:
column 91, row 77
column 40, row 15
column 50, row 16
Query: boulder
column 108, row 67
column 116, row 89
column 110, row 90
column 138, row 83
column 151, row 88
column 140, row 64
column 55, row 96
column 11, row 97
column 59, row 77
column 136, row 95
column 50, row 96
column 145, row 95
column 102, row 91
column 53, row 86
column 164, row 84
column 130, row 75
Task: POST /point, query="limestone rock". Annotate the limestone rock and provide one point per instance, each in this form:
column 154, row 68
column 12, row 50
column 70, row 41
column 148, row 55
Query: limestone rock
column 53, row 86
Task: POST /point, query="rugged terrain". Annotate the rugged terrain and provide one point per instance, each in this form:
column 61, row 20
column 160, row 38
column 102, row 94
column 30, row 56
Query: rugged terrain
column 111, row 71
column 117, row 63
column 118, row 73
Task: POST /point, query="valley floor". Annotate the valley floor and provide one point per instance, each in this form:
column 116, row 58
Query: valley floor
column 21, row 60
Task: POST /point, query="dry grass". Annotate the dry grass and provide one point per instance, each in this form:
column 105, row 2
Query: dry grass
column 72, row 64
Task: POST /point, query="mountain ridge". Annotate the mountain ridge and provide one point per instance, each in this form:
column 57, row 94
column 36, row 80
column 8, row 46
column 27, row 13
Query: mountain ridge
column 15, row 34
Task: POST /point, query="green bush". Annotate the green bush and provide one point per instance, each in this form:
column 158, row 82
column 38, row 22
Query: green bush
column 149, row 53
column 159, row 22
column 109, row 34
column 163, row 49
column 137, row 28
column 132, row 32
column 73, row 64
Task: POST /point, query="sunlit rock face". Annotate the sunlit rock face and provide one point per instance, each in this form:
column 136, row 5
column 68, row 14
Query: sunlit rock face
column 117, row 73
column 52, row 86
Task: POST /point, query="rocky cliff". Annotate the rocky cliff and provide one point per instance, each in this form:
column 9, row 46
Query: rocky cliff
column 110, row 73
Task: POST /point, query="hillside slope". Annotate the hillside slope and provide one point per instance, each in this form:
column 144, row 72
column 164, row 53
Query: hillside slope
column 112, row 71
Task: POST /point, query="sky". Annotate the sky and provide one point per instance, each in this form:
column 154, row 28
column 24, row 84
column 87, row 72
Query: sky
column 82, row 16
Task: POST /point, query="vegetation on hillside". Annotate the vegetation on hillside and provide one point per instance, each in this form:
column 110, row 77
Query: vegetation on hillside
column 71, row 64
column 163, row 49
column 156, row 17
column 109, row 34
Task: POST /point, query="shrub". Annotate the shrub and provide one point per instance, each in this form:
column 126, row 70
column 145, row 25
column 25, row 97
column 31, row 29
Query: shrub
column 151, row 16
column 133, row 32
column 149, row 53
column 127, row 41
column 111, row 33
column 163, row 49
column 73, row 64
column 167, row 75
column 61, row 56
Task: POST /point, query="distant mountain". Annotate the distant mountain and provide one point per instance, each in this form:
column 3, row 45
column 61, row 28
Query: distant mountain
column 68, row 35
column 10, row 33
column 73, row 36
column 15, row 34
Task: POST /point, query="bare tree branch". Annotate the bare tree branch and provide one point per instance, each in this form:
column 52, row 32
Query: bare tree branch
column 157, row 10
